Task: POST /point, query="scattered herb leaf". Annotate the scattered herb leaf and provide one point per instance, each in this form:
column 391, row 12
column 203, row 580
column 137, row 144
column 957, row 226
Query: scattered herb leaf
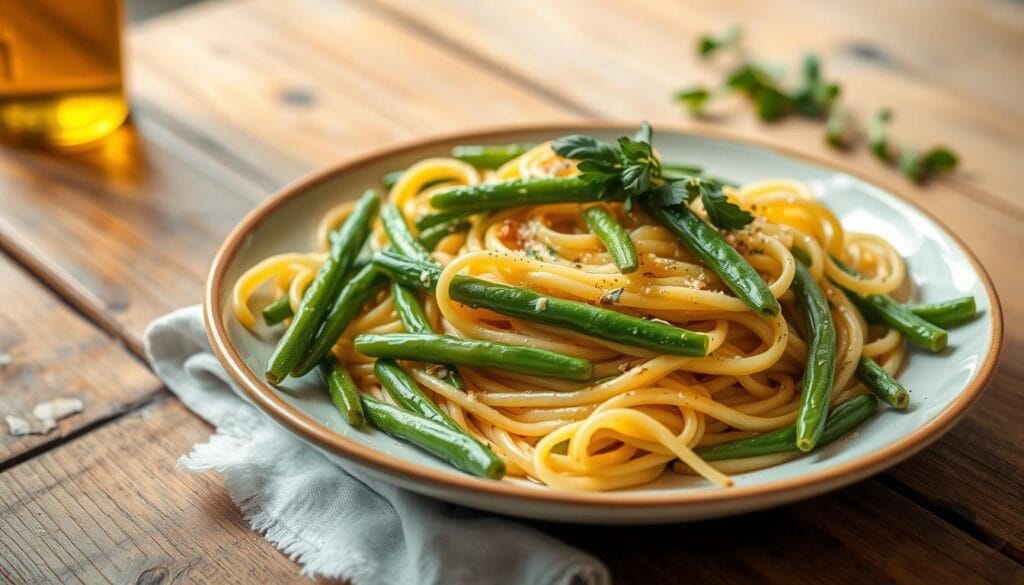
column 708, row 45
column 813, row 97
column 878, row 134
column 694, row 98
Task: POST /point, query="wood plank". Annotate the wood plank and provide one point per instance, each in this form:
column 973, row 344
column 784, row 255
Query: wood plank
column 592, row 57
column 862, row 534
column 131, row 226
column 110, row 507
column 363, row 82
column 51, row 352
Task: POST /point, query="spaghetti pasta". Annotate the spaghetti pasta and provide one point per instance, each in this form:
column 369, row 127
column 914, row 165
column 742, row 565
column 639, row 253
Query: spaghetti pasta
column 643, row 413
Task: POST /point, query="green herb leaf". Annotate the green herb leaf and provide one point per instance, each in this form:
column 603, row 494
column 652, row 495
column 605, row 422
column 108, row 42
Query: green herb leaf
column 708, row 45
column 772, row 104
column 919, row 169
column 580, row 147
column 939, row 159
column 722, row 212
column 836, row 130
column 878, row 134
column 694, row 99
column 594, row 171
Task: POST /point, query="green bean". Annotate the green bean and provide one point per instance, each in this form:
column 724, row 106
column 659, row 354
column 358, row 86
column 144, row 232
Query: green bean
column 425, row 222
column 406, row 304
column 614, row 237
column 516, row 193
column 674, row 172
column 821, row 359
column 411, row 273
column 399, row 235
column 277, row 311
column 709, row 246
column 406, row 393
column 345, row 246
column 883, row 309
column 414, row 320
column 389, row 179
column 526, row 304
column 946, row 313
column 409, row 310
column 342, row 390
column 490, row 156
column 353, row 296
column 882, row 384
column 841, row 420
column 457, row 448
column 425, row 347
column 430, row 237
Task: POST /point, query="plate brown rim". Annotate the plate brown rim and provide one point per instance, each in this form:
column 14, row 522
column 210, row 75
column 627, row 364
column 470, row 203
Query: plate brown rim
column 267, row 399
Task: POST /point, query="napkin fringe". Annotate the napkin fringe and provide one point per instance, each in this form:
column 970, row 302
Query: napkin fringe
column 243, row 487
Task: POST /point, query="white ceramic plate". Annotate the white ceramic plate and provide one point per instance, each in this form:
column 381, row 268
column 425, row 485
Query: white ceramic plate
column 942, row 386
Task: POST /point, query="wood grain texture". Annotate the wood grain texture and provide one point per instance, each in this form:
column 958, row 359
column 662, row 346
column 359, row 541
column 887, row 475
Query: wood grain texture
column 111, row 507
column 364, row 82
column 50, row 352
column 103, row 509
column 233, row 98
column 837, row 538
column 131, row 226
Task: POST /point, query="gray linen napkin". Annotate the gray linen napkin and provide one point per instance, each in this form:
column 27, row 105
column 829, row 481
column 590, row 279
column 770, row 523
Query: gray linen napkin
column 337, row 522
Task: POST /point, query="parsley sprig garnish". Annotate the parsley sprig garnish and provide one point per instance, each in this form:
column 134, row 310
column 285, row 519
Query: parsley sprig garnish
column 630, row 170
column 627, row 167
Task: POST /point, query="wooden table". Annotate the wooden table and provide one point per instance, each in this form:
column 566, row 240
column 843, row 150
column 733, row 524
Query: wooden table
column 234, row 98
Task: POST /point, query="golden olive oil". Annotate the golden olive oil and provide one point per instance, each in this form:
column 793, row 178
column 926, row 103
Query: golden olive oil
column 60, row 71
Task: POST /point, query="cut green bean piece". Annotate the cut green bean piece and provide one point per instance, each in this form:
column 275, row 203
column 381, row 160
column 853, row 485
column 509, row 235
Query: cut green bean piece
column 345, row 246
column 404, row 391
column 882, row 384
column 414, row 320
column 843, row 418
column 946, row 313
column 532, row 306
column 353, row 296
column 277, row 311
column 425, row 347
column 342, row 390
column 518, row 192
column 675, row 172
column 430, row 237
column 425, row 222
column 455, row 447
column 409, row 310
column 489, row 156
column 614, row 237
column 709, row 246
column 816, row 390
column 399, row 235
column 883, row 309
